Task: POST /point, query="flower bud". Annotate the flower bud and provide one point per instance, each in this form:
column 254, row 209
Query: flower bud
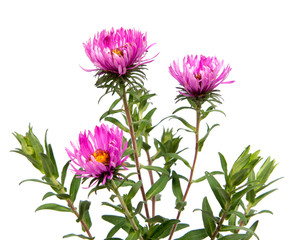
column 170, row 142
column 31, row 148
column 243, row 167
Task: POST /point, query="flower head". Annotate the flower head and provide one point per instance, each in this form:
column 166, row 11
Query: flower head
column 117, row 51
column 200, row 75
column 99, row 154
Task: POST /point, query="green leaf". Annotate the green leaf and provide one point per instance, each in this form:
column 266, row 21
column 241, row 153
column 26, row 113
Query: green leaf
column 207, row 217
column 233, row 237
column 220, row 194
column 116, row 208
column 265, row 186
column 202, row 140
column 184, row 122
column 64, row 173
column 53, row 206
column 36, row 180
column 197, row 234
column 176, row 156
column 83, row 208
column 239, row 177
column 155, row 168
column 63, row 196
column 115, row 229
column 134, row 189
column 181, row 108
column 257, row 213
column 77, row 235
column 48, row 166
column 232, row 228
column 253, row 228
column 258, row 199
column 265, row 170
column 204, row 177
column 224, row 166
column 237, row 196
column 164, row 229
column 74, row 188
column 139, row 208
column 116, row 220
column 47, row 195
column 176, row 187
column 117, row 123
column 133, row 235
column 50, row 154
column 240, row 215
column 110, row 110
column 145, row 122
column 156, row 219
column 33, row 161
column 158, row 186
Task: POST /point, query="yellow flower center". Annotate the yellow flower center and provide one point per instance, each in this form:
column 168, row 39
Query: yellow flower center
column 102, row 156
column 117, row 51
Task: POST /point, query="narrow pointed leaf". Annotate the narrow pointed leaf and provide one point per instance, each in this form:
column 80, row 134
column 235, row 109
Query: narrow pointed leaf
column 197, row 234
column 155, row 168
column 158, row 186
column 218, row 191
column 134, row 189
column 53, row 206
column 176, row 156
column 207, row 217
column 232, row 228
column 164, row 229
column 77, row 235
column 64, row 173
column 233, row 237
column 74, row 188
column 35, row 180
column 176, row 187
column 117, row 123
column 47, row 195
column 49, row 167
column 184, row 122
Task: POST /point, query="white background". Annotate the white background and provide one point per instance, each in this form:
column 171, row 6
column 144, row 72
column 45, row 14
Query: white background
column 42, row 83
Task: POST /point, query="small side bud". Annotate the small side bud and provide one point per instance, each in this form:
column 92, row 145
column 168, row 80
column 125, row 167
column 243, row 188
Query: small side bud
column 31, row 148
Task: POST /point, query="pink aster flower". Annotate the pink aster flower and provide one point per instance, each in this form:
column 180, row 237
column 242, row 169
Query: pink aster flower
column 117, row 50
column 98, row 155
column 199, row 75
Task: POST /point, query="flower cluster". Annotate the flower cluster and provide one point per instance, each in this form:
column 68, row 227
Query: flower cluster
column 117, row 51
column 98, row 155
column 199, row 75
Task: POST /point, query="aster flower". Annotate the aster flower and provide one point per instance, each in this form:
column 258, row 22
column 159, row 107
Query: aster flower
column 117, row 51
column 200, row 76
column 98, row 155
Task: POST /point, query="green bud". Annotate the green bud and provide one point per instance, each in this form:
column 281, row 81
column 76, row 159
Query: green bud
column 25, row 144
column 167, row 135
column 242, row 167
column 169, row 141
column 265, row 170
column 31, row 148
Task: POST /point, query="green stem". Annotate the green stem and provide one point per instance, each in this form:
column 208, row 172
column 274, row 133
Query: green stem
column 133, row 139
column 124, row 206
column 71, row 206
column 151, row 177
column 192, row 169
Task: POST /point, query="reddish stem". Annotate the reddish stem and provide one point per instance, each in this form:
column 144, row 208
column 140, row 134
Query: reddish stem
column 192, row 169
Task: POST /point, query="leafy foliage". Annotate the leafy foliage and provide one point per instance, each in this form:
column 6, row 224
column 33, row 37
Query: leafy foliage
column 242, row 189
